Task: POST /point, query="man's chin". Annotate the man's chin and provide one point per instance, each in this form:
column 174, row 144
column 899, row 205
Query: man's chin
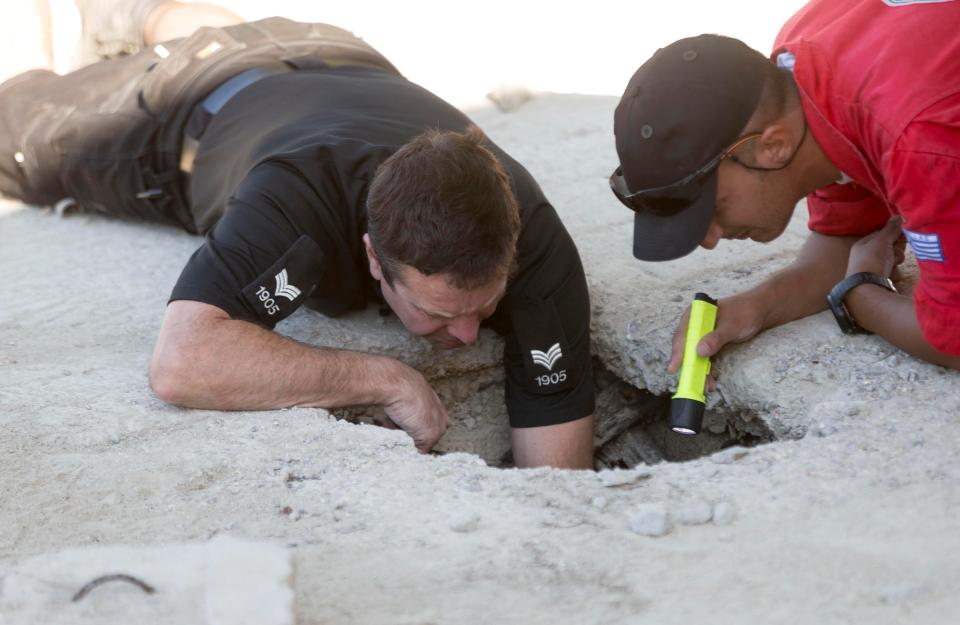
column 765, row 236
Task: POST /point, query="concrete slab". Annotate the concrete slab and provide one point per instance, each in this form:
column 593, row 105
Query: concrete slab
column 223, row 582
column 854, row 522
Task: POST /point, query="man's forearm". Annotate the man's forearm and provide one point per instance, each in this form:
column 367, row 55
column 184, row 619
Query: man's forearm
column 893, row 317
column 226, row 364
column 801, row 288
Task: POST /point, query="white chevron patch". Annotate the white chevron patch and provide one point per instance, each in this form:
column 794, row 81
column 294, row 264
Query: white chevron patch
column 284, row 288
column 548, row 358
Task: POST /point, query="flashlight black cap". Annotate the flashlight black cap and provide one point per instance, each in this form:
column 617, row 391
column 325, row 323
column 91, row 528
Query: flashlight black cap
column 703, row 297
column 686, row 415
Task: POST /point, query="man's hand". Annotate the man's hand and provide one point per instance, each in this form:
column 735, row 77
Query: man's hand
column 269, row 371
column 418, row 411
column 796, row 291
column 879, row 252
column 739, row 318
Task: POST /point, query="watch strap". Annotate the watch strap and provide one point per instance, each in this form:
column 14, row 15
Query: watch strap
column 835, row 299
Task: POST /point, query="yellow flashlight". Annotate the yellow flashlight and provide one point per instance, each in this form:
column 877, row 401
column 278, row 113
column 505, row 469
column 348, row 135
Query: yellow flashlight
column 687, row 404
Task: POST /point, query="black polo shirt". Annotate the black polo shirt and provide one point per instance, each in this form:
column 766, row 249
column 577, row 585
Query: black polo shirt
column 288, row 162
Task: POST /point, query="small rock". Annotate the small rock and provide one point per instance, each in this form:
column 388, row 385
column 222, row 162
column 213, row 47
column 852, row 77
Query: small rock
column 693, row 512
column 730, row 455
column 471, row 484
column 724, row 513
column 824, row 429
column 716, row 426
column 951, row 472
column 897, row 595
column 619, row 477
column 465, row 522
column 651, row 520
column 510, row 97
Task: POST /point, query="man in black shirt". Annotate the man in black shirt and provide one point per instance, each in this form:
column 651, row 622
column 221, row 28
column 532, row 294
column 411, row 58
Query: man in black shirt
column 320, row 176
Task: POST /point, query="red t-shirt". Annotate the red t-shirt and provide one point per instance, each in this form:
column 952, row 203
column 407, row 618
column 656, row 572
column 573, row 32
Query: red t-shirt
column 879, row 83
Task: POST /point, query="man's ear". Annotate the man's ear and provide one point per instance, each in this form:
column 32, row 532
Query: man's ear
column 774, row 147
column 778, row 143
column 375, row 269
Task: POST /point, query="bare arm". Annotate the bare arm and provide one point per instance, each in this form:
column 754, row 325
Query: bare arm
column 887, row 314
column 564, row 446
column 205, row 359
column 893, row 317
column 801, row 289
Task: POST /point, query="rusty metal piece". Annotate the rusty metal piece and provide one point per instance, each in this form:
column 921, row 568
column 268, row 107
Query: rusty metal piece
column 117, row 577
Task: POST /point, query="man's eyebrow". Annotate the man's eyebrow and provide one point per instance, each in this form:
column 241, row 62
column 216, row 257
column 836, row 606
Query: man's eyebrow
column 443, row 315
column 432, row 313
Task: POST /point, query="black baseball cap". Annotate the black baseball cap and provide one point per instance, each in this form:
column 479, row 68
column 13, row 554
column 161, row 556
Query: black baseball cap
column 680, row 112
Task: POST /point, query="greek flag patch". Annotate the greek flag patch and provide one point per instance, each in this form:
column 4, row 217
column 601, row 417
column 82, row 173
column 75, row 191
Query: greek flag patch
column 925, row 246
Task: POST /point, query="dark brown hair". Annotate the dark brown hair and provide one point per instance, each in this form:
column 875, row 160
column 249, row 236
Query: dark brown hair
column 443, row 204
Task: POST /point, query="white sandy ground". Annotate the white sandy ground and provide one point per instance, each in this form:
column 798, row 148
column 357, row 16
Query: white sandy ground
column 851, row 518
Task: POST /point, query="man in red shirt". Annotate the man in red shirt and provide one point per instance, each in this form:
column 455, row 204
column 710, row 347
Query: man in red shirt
column 858, row 109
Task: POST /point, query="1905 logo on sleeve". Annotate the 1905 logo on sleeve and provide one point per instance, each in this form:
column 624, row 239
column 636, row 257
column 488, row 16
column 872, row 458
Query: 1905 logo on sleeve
column 548, row 360
column 284, row 289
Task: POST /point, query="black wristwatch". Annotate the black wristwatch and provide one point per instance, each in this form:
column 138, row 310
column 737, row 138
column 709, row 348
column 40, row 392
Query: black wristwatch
column 838, row 292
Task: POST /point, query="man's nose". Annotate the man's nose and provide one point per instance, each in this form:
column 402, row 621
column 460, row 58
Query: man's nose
column 465, row 330
column 713, row 236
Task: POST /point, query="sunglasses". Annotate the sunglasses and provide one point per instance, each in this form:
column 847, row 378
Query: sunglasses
column 672, row 198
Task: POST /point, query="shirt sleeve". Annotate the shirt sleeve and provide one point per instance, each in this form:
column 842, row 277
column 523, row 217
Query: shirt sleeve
column 846, row 210
column 547, row 358
column 924, row 188
column 257, row 263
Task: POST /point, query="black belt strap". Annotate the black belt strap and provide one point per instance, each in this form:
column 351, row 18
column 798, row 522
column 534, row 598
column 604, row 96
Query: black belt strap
column 211, row 105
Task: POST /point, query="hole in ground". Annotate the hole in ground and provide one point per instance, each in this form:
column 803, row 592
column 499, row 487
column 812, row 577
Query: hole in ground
column 632, row 424
column 633, row 427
